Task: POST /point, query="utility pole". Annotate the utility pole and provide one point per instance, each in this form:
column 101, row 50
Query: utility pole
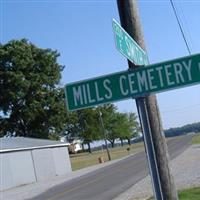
column 104, row 133
column 155, row 144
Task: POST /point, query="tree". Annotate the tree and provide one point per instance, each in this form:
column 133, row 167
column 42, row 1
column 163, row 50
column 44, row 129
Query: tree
column 72, row 128
column 89, row 126
column 109, row 119
column 122, row 127
column 31, row 103
column 133, row 126
column 188, row 128
column 118, row 125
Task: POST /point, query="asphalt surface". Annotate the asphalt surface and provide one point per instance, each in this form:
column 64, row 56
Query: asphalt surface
column 110, row 181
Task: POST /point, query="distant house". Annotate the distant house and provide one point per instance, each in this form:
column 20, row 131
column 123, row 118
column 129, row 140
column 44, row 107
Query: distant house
column 74, row 145
column 27, row 160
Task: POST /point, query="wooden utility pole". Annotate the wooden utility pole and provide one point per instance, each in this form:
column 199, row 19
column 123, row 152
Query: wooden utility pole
column 156, row 148
column 105, row 135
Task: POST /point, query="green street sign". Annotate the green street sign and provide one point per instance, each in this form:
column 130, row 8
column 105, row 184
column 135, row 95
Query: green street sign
column 154, row 78
column 127, row 46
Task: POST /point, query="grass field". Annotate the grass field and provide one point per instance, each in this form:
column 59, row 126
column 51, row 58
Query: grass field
column 196, row 139
column 82, row 160
column 188, row 194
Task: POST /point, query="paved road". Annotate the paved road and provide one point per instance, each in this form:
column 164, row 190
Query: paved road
column 110, row 181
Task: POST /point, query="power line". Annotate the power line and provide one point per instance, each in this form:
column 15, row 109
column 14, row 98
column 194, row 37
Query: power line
column 181, row 29
column 186, row 27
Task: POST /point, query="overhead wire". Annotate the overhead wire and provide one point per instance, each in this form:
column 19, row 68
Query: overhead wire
column 180, row 27
column 186, row 27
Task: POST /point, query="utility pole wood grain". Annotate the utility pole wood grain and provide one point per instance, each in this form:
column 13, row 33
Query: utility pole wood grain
column 129, row 17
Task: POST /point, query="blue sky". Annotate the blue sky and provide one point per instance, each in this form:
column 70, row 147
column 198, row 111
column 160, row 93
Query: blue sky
column 82, row 32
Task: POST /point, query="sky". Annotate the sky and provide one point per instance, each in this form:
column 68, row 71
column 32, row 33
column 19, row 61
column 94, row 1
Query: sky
column 81, row 31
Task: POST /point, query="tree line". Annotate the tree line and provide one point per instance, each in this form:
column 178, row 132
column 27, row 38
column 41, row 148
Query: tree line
column 189, row 128
column 32, row 102
column 85, row 124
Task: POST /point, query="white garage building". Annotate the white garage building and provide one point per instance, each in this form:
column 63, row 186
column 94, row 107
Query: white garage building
column 27, row 160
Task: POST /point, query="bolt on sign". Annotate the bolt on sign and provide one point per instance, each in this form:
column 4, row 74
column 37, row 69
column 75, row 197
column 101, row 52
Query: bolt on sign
column 139, row 82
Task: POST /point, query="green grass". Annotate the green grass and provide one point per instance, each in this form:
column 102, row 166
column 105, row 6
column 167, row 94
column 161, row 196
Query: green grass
column 196, row 139
column 188, row 194
column 82, row 160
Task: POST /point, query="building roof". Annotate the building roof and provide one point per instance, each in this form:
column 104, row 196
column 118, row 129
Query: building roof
column 15, row 143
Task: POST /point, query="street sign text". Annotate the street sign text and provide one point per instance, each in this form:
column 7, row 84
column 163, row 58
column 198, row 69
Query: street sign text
column 128, row 47
column 131, row 84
